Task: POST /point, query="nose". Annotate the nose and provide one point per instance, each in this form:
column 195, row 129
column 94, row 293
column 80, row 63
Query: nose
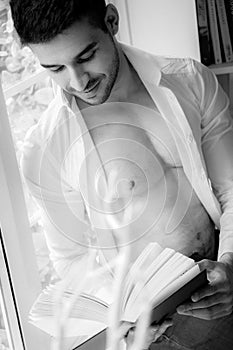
column 78, row 78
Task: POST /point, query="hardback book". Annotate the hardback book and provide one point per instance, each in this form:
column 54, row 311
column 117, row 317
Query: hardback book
column 168, row 278
column 224, row 29
column 229, row 12
column 203, row 32
column 214, row 31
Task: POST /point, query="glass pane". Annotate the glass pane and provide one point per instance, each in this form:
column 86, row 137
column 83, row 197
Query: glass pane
column 16, row 64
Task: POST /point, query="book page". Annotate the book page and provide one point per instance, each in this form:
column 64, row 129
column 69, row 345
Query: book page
column 142, row 263
column 173, row 269
column 74, row 327
column 169, row 272
column 167, row 255
column 175, row 285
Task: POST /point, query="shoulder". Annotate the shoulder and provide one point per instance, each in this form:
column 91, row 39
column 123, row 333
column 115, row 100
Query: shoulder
column 56, row 126
column 188, row 78
column 168, row 65
column 42, row 131
column 183, row 67
column 47, row 143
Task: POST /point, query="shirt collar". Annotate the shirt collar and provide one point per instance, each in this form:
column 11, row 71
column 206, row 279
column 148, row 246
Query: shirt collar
column 146, row 65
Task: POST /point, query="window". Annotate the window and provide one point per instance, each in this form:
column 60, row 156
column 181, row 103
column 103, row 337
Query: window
column 25, row 267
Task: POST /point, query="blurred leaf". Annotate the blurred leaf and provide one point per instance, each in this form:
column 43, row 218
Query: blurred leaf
column 3, row 41
column 13, row 64
column 44, row 96
column 15, row 49
column 26, row 51
column 3, row 4
column 9, row 79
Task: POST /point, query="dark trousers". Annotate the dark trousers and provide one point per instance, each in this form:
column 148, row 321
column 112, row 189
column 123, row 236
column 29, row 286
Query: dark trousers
column 190, row 333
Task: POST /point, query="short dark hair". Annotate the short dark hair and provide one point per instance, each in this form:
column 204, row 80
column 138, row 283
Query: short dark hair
column 39, row 21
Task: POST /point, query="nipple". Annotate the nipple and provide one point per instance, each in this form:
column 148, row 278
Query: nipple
column 123, row 188
column 132, row 184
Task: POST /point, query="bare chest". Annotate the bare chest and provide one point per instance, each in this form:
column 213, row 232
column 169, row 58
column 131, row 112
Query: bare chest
column 136, row 143
column 133, row 132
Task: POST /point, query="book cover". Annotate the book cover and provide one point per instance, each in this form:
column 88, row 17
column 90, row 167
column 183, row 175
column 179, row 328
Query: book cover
column 229, row 13
column 224, row 29
column 203, row 32
column 214, row 32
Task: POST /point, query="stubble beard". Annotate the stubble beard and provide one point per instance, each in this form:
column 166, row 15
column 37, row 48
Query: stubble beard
column 113, row 69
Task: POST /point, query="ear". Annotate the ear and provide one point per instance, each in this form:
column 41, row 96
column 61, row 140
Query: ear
column 112, row 19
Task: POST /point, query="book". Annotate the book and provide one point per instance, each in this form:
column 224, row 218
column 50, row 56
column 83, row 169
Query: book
column 214, row 32
column 225, row 33
column 203, row 32
column 229, row 13
column 169, row 278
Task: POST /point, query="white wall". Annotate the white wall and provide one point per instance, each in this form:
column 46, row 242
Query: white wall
column 163, row 27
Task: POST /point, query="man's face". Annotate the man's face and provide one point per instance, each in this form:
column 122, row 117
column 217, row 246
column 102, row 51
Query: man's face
column 83, row 60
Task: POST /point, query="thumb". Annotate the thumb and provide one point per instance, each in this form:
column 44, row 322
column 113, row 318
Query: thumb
column 206, row 264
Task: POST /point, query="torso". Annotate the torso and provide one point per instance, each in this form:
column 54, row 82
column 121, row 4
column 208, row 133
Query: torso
column 139, row 148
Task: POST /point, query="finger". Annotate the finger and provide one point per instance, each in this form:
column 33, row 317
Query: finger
column 156, row 327
column 216, row 271
column 130, row 337
column 162, row 327
column 153, row 334
column 158, row 330
column 209, row 301
column 161, row 331
column 209, row 313
column 125, row 327
column 206, row 264
column 209, row 290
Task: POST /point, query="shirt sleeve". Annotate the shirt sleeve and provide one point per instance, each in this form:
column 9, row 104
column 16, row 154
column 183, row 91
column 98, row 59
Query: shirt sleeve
column 217, row 146
column 62, row 209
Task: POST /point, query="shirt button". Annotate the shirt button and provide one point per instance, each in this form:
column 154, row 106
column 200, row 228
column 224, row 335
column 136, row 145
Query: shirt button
column 190, row 138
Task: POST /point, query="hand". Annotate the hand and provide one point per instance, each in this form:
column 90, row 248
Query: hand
column 153, row 334
column 216, row 299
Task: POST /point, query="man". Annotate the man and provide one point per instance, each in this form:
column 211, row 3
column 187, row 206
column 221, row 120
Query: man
column 162, row 126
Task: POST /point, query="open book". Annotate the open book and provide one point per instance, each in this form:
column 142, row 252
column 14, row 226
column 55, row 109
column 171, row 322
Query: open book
column 166, row 278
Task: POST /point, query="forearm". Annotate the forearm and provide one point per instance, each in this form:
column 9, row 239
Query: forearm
column 227, row 260
column 226, row 230
column 227, row 257
column 224, row 194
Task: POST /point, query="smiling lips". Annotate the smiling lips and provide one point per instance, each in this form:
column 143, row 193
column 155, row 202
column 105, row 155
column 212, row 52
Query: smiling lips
column 93, row 87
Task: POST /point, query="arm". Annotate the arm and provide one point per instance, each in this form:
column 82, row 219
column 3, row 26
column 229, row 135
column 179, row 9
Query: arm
column 62, row 210
column 216, row 300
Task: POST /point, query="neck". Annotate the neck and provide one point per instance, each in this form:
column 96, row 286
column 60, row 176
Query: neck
column 127, row 81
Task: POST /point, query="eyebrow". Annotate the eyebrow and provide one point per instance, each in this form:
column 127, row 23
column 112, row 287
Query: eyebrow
column 77, row 57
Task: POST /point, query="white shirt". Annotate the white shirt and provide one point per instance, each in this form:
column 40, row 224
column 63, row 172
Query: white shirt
column 189, row 98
